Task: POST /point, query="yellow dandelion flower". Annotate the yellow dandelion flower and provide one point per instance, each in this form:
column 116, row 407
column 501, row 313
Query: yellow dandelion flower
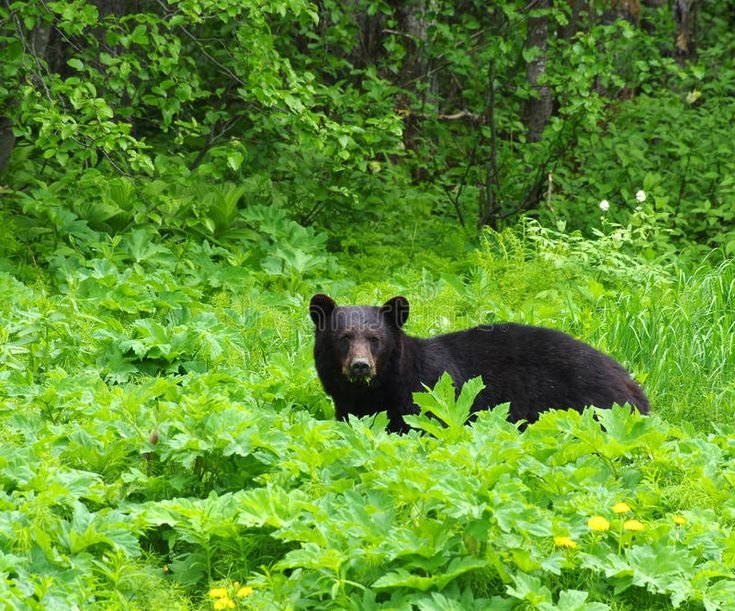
column 244, row 591
column 598, row 523
column 679, row 520
column 565, row 542
column 236, row 585
column 633, row 525
column 621, row 508
column 224, row 603
column 218, row 593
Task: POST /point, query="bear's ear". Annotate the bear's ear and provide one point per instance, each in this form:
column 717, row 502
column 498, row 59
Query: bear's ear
column 396, row 310
column 320, row 309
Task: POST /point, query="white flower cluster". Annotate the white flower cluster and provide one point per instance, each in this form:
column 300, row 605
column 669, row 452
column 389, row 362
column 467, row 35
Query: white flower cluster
column 640, row 197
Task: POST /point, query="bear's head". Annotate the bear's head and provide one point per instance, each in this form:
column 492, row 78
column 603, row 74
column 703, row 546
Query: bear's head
column 359, row 338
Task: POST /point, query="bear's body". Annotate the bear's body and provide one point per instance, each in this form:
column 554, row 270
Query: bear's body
column 367, row 364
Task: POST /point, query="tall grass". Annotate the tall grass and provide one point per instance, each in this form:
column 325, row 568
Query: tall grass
column 686, row 343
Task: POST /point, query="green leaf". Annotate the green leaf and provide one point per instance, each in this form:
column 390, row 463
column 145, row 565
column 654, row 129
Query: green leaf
column 575, row 600
column 402, row 578
column 234, row 160
column 530, row 589
column 441, row 406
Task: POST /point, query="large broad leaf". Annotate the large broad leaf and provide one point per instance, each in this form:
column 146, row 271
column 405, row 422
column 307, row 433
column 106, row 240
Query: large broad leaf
column 107, row 527
column 401, row 578
column 443, row 413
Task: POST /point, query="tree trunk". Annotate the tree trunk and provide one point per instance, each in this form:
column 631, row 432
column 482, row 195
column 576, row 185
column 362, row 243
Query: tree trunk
column 7, row 141
column 414, row 20
column 488, row 201
column 538, row 109
column 685, row 18
column 630, row 10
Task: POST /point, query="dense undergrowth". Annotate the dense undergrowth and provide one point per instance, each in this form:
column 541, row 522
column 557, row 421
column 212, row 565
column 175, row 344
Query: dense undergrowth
column 166, row 443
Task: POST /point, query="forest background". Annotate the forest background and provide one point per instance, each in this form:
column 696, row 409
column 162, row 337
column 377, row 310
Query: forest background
column 178, row 177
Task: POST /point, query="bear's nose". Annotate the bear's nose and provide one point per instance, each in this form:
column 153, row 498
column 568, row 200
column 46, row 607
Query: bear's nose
column 360, row 367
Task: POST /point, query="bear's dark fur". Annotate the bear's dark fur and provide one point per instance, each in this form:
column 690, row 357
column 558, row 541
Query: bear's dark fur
column 367, row 364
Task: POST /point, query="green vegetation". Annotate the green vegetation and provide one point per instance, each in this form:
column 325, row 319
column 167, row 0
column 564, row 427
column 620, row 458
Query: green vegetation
column 176, row 183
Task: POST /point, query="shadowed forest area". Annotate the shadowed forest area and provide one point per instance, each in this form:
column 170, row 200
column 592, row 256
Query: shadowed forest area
column 179, row 177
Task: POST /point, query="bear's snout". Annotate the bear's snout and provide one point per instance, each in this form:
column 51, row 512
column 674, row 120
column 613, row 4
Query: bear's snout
column 360, row 368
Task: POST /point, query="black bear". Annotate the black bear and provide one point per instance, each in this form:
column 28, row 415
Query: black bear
column 367, row 364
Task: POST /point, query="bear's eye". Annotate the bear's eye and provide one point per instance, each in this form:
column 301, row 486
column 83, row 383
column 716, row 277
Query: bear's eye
column 344, row 341
column 374, row 342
